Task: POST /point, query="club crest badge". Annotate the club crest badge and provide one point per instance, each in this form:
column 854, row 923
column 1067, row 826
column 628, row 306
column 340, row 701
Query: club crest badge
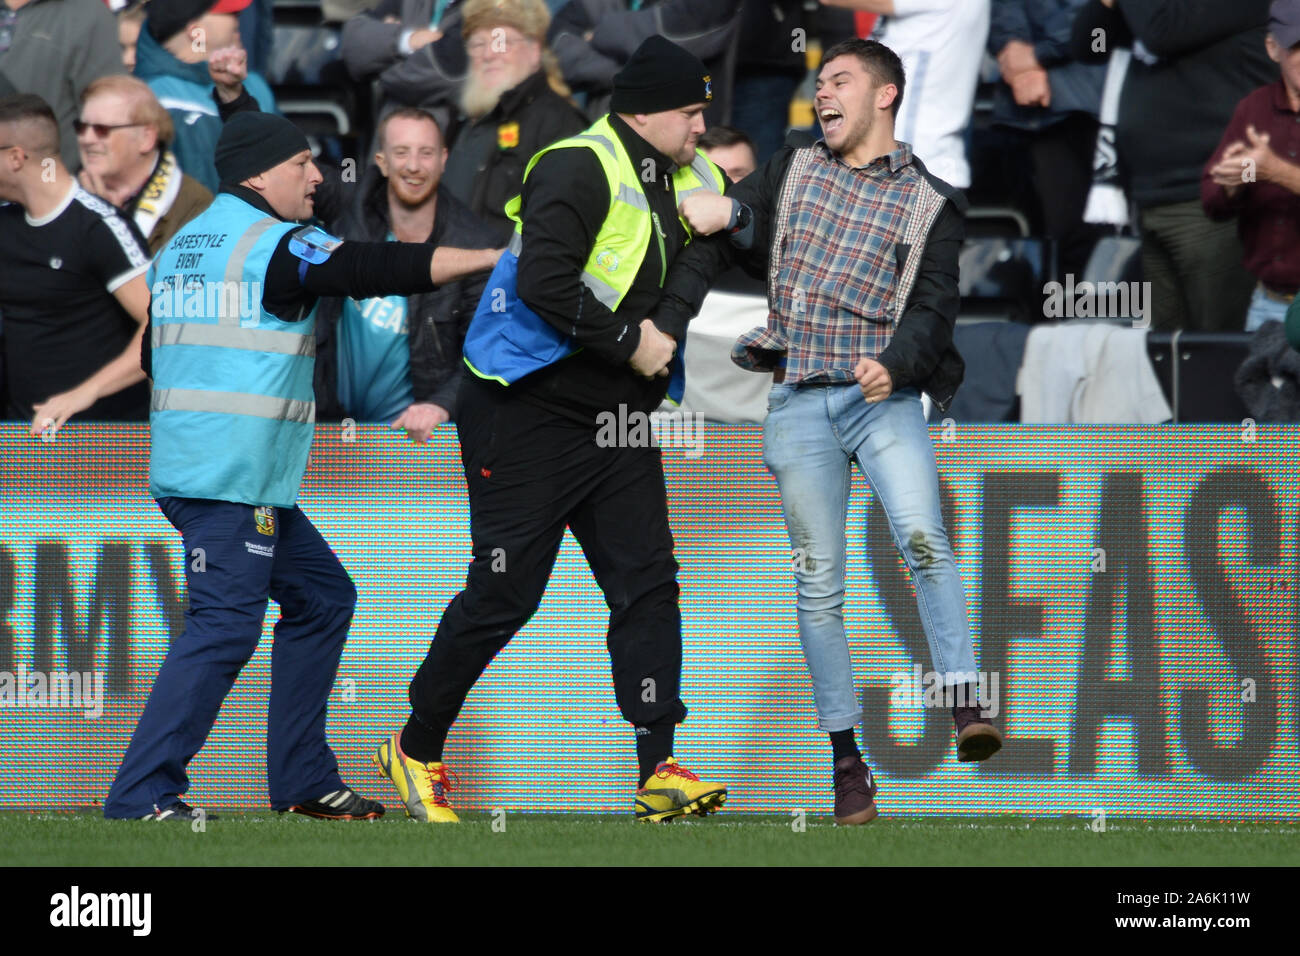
column 265, row 518
column 708, row 87
column 507, row 136
column 608, row 260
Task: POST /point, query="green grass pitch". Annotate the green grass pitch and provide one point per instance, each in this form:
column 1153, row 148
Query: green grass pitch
column 268, row 839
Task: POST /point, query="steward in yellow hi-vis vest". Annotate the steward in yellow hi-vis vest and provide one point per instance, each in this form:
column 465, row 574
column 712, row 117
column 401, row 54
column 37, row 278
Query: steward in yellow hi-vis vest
column 231, row 352
column 555, row 432
column 507, row 340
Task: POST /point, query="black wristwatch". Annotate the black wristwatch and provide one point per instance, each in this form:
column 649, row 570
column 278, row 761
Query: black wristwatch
column 743, row 217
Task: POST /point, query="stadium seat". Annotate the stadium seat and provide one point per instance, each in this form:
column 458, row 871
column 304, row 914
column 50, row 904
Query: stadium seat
column 1195, row 371
column 1002, row 278
column 1115, row 259
column 311, row 84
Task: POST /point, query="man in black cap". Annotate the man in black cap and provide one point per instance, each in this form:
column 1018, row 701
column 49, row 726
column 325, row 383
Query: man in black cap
column 557, row 347
column 231, row 351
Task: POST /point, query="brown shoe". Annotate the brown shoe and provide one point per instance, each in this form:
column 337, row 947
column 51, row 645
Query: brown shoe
column 977, row 739
column 855, row 792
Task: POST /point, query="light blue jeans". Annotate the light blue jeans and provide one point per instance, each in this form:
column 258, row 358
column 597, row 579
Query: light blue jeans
column 810, row 438
column 1263, row 309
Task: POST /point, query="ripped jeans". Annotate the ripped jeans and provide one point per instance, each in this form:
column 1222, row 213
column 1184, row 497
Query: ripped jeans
column 810, row 438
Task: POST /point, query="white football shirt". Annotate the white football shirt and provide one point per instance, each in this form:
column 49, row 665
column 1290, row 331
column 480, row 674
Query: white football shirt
column 941, row 44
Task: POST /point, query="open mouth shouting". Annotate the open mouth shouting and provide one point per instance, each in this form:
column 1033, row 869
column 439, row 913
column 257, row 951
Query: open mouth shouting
column 832, row 119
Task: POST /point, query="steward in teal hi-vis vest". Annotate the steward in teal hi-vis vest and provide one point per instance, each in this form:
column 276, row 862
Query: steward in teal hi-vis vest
column 506, row 339
column 233, row 409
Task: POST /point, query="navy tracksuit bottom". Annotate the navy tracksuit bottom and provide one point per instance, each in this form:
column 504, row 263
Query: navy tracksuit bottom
column 233, row 563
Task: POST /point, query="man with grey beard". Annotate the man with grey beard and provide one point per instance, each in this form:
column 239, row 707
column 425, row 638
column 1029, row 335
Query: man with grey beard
column 514, row 103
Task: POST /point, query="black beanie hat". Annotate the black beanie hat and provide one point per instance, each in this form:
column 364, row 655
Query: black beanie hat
column 166, row 18
column 660, row 76
column 252, row 143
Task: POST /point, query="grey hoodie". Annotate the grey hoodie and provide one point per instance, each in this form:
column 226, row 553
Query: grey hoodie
column 58, row 48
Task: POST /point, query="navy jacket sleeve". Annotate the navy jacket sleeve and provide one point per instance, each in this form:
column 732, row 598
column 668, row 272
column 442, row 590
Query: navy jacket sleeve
column 1008, row 21
column 1052, row 46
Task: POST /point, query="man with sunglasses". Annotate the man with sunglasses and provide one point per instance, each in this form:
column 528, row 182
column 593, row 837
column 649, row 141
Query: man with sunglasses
column 125, row 137
column 72, row 290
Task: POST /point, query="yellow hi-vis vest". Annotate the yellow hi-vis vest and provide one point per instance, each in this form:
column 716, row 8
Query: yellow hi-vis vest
column 507, row 340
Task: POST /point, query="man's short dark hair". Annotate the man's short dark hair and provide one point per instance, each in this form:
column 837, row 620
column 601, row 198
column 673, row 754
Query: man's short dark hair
column 40, row 134
column 877, row 59
column 406, row 112
column 720, row 137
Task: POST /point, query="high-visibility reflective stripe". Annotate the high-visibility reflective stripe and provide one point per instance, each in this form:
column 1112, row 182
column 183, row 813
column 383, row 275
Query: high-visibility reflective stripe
column 235, row 264
column 606, row 294
column 516, row 243
column 232, row 403
column 603, row 140
column 700, row 166
column 225, row 336
column 633, row 197
column 628, row 194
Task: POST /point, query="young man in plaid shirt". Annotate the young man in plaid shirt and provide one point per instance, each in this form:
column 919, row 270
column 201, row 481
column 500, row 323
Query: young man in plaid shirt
column 860, row 246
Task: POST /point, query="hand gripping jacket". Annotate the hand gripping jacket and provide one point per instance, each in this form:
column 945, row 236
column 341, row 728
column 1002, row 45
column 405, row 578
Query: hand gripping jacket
column 507, row 340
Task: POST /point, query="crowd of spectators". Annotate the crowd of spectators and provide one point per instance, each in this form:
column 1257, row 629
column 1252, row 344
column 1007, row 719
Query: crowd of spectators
column 1201, row 134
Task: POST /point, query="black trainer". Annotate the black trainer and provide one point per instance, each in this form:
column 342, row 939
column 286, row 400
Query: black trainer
column 977, row 738
column 340, row 805
column 180, row 810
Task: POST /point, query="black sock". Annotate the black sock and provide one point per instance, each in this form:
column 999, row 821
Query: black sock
column 971, row 693
column 843, row 744
column 421, row 742
column 654, row 744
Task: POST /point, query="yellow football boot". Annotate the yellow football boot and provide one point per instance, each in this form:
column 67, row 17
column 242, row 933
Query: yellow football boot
column 673, row 790
column 423, row 787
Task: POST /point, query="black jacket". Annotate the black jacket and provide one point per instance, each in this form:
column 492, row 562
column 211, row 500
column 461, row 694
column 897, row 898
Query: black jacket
column 486, row 165
column 436, row 321
column 767, row 37
column 919, row 354
column 1173, row 111
column 565, row 202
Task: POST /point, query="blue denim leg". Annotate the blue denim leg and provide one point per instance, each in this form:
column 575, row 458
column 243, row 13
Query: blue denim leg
column 892, row 445
column 811, row 469
column 1263, row 309
column 810, row 437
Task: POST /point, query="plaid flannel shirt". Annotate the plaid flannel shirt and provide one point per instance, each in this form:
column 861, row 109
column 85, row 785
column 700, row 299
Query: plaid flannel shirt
column 838, row 280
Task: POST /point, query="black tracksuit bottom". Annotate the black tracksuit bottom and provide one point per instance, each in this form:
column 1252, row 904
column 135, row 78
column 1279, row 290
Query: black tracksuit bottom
column 531, row 474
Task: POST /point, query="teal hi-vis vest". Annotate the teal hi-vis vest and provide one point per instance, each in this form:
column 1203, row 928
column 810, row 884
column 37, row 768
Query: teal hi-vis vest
column 233, row 410
column 506, row 339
